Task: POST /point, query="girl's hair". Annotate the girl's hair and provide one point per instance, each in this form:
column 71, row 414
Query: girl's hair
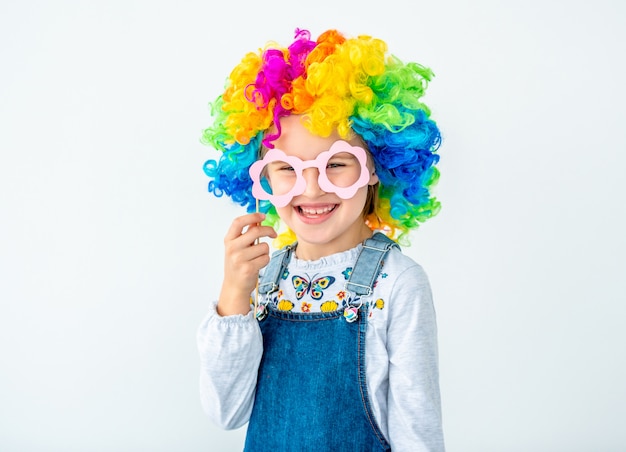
column 336, row 83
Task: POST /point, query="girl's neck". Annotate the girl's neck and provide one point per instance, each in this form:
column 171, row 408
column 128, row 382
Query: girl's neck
column 315, row 251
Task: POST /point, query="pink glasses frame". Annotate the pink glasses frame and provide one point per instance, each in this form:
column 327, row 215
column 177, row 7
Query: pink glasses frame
column 299, row 166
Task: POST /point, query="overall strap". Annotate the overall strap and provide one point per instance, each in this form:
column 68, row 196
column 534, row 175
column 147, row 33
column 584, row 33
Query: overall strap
column 273, row 271
column 368, row 264
column 363, row 274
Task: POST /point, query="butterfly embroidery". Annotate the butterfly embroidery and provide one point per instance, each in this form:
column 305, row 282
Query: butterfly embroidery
column 316, row 287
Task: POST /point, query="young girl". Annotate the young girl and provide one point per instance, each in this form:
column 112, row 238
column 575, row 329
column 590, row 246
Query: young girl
column 334, row 346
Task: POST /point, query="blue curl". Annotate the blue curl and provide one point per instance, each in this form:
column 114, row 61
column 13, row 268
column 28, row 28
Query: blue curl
column 230, row 174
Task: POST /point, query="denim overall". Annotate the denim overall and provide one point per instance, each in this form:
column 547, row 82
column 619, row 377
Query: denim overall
column 311, row 392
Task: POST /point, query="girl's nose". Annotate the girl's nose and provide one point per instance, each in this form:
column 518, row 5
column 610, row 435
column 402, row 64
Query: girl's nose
column 311, row 177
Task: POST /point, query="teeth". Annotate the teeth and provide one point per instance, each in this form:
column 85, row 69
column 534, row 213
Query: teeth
column 318, row 211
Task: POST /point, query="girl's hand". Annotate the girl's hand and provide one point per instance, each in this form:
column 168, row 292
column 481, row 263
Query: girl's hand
column 243, row 258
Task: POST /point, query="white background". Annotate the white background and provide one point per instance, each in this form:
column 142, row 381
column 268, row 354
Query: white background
column 110, row 246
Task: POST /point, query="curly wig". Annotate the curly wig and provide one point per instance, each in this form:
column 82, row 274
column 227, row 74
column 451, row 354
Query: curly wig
column 352, row 85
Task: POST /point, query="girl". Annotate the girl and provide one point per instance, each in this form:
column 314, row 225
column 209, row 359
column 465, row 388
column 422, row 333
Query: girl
column 336, row 349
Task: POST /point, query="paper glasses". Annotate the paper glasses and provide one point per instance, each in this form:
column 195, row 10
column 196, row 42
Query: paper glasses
column 278, row 177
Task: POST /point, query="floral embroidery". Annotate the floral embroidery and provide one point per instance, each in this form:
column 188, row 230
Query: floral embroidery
column 312, row 293
column 285, row 305
column 348, row 300
column 329, row 306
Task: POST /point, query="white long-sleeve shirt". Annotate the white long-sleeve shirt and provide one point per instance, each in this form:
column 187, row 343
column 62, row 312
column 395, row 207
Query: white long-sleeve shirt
column 401, row 348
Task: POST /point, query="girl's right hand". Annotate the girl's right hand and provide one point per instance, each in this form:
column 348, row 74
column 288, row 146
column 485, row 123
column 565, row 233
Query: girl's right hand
column 243, row 258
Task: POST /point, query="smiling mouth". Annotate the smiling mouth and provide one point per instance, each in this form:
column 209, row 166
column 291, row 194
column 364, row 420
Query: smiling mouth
column 316, row 211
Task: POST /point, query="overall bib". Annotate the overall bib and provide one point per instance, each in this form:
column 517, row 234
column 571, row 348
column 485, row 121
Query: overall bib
column 311, row 392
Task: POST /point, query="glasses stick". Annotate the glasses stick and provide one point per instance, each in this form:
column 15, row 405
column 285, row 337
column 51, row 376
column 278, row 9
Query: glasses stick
column 256, row 295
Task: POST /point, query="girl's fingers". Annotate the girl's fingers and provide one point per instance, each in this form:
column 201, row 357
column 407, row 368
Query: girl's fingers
column 248, row 229
column 244, row 256
column 242, row 264
column 252, row 252
column 240, row 223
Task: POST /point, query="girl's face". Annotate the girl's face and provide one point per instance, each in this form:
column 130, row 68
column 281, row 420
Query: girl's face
column 323, row 222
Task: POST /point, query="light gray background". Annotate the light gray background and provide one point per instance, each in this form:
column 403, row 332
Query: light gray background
column 110, row 247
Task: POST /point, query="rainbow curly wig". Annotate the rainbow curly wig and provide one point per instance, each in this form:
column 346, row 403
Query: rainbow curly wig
column 352, row 85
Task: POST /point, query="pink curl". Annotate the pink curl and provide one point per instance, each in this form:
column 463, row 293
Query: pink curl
column 275, row 77
column 298, row 52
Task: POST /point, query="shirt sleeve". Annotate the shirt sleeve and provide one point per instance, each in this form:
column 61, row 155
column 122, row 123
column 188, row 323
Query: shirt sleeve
column 414, row 402
column 230, row 350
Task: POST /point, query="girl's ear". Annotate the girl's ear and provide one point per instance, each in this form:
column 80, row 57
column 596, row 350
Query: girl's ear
column 373, row 179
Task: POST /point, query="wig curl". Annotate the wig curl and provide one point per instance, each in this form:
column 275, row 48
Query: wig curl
column 336, row 83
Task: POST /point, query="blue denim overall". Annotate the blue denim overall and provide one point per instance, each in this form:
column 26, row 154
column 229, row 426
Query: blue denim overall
column 311, row 392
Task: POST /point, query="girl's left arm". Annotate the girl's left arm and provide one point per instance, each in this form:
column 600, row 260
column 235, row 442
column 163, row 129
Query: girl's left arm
column 414, row 402
column 230, row 350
